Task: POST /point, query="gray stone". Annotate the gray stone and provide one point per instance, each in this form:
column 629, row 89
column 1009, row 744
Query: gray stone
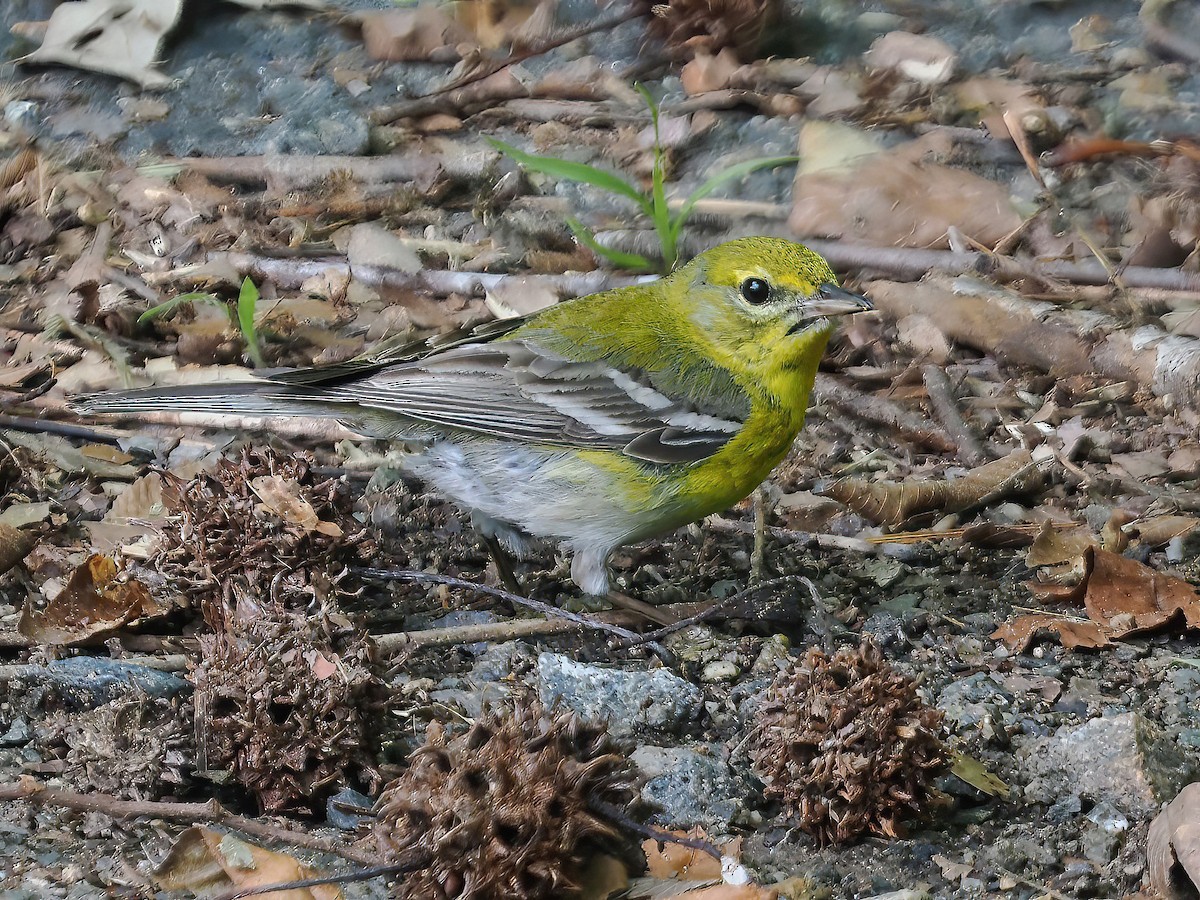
column 84, row 682
column 18, row 733
column 969, row 700
column 692, row 787
column 630, row 701
column 1122, row 760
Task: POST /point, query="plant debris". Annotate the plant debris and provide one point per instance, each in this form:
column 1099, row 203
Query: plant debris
column 503, row 809
column 847, row 745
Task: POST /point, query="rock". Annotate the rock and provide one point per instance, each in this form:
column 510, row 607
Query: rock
column 1121, row 760
column 720, row 670
column 629, row 701
column 968, row 701
column 18, row 733
column 692, row 787
column 85, row 682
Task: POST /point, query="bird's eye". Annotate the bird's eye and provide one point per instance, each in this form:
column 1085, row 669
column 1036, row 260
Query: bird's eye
column 756, row 290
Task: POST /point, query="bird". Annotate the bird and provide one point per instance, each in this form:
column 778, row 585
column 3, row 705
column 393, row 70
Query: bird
column 597, row 423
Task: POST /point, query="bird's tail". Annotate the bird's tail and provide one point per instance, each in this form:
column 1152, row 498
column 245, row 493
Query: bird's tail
column 232, row 398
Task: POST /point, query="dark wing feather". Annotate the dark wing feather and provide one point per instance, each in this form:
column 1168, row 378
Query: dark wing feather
column 515, row 390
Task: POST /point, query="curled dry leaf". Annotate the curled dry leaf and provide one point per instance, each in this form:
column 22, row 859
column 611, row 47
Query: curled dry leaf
column 1173, row 847
column 93, row 603
column 207, row 862
column 282, row 496
column 1121, row 597
column 15, row 545
column 900, row 197
column 116, row 37
column 893, row 503
column 423, row 32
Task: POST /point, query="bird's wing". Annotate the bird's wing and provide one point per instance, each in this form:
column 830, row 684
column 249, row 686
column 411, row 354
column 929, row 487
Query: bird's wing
column 515, row 390
column 392, row 352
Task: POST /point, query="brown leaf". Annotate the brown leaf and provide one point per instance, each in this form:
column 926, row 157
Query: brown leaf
column 207, row 861
column 282, row 497
column 1055, row 546
column 15, row 545
column 1173, row 847
column 666, row 860
column 893, row 503
column 1130, row 597
column 417, row 33
column 92, row 604
column 1018, row 633
column 899, row 197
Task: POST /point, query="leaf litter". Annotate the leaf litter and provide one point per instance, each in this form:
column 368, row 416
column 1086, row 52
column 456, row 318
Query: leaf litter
column 1034, row 372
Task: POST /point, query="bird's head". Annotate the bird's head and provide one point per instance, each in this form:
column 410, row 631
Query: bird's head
column 766, row 300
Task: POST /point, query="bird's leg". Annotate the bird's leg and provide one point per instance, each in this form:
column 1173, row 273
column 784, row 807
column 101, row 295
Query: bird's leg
column 758, row 553
column 503, row 562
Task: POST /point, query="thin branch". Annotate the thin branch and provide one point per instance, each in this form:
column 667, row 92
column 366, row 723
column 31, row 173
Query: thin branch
column 941, row 399
column 545, row 609
column 33, row 791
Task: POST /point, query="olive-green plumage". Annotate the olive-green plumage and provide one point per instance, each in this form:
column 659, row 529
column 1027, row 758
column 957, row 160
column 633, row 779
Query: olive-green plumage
column 598, row 422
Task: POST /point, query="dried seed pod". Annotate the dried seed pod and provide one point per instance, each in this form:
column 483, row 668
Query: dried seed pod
column 846, row 744
column 285, row 702
column 502, row 810
column 136, row 747
column 261, row 530
column 688, row 26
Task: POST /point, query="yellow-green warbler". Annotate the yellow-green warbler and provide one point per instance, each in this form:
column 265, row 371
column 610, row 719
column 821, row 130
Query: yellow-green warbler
column 596, row 423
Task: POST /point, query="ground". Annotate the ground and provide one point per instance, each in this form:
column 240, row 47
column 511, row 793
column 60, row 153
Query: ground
column 1014, row 187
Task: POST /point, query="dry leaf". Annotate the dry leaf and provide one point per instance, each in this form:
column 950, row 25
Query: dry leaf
column 281, row 496
column 1121, row 596
column 209, row 862
column 900, row 197
column 667, row 860
column 917, row 57
column 1173, row 847
column 892, row 503
column 116, row 37
column 1055, row 546
column 93, row 603
column 419, row 33
column 14, row 546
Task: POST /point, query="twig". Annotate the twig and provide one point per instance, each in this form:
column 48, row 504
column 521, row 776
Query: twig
column 649, row 831
column 46, row 426
column 545, row 609
column 33, row 791
column 553, row 43
column 941, row 399
column 906, row 262
column 789, row 536
column 828, row 389
column 513, row 629
column 713, row 608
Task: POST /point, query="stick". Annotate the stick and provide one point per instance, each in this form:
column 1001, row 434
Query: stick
column 941, row 399
column 545, row 609
column 33, row 791
column 828, row 389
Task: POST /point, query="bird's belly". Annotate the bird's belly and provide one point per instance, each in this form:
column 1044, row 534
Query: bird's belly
column 545, row 492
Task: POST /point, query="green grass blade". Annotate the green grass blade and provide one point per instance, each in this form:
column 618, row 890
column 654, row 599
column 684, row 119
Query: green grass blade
column 247, row 304
column 163, row 308
column 618, row 258
column 738, row 171
column 573, row 171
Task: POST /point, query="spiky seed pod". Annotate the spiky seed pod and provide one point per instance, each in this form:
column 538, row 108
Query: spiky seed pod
column 226, row 548
column 136, row 747
column 284, row 702
column 686, row 27
column 847, row 746
column 502, row 810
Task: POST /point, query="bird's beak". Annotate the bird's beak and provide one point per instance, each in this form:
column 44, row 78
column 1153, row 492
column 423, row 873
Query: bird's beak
column 831, row 300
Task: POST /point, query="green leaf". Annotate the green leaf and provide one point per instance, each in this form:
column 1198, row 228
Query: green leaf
column 737, row 171
column 976, row 774
column 246, row 305
column 618, row 258
column 163, row 308
column 573, row 171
